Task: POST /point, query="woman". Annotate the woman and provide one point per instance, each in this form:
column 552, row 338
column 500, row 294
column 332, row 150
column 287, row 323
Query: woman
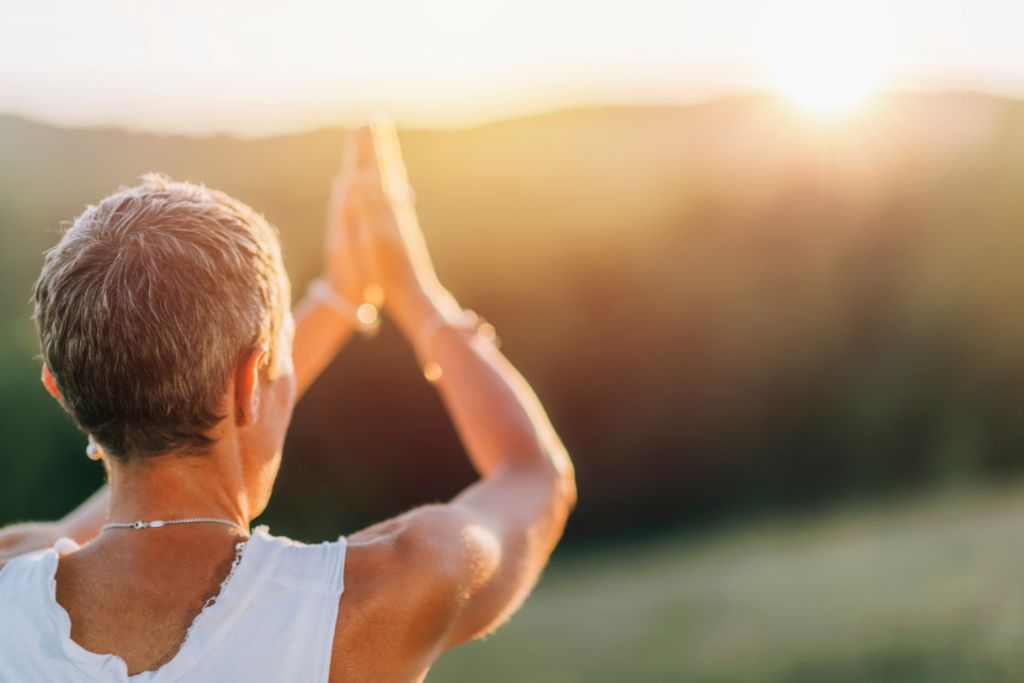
column 165, row 333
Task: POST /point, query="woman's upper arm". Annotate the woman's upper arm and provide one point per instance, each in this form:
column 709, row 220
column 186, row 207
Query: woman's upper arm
column 441, row 574
column 487, row 548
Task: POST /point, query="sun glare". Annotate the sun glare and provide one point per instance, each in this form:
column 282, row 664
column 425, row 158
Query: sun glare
column 826, row 59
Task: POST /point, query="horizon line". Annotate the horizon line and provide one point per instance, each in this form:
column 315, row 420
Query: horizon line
column 315, row 123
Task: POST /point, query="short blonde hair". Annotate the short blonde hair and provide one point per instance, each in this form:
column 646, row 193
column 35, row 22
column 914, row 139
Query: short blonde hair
column 147, row 303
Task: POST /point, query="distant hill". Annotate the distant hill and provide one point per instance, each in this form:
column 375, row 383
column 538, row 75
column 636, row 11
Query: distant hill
column 723, row 305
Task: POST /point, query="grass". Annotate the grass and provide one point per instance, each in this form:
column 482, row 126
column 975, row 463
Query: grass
column 928, row 590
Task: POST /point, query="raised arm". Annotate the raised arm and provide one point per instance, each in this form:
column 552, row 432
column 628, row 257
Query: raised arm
column 481, row 553
column 492, row 541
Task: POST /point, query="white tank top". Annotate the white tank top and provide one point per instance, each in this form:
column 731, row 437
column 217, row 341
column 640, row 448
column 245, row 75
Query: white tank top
column 273, row 620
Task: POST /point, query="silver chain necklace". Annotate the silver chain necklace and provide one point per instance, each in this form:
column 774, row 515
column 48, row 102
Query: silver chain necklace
column 157, row 523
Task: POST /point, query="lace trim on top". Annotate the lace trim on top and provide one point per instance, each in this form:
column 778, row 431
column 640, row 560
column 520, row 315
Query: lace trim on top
column 239, row 550
column 206, row 626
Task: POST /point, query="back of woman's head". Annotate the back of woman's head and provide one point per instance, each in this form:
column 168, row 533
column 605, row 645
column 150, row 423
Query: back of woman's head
column 146, row 305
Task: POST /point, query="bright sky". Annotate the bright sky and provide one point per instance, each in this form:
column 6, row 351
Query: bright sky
column 250, row 67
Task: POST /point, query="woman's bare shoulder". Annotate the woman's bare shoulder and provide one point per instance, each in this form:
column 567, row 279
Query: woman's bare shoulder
column 394, row 602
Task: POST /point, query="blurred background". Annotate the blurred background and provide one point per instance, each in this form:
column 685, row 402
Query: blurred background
column 760, row 261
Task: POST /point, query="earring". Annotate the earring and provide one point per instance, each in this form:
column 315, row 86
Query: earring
column 93, row 451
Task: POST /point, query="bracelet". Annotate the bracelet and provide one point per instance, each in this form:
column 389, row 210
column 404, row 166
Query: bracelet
column 364, row 317
column 468, row 324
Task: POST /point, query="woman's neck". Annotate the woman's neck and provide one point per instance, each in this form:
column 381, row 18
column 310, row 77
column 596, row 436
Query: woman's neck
column 174, row 486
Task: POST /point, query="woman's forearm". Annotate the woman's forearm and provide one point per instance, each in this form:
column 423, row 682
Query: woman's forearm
column 496, row 413
column 320, row 332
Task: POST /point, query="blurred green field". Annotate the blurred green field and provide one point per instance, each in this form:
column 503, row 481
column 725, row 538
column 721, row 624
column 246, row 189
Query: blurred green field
column 928, row 590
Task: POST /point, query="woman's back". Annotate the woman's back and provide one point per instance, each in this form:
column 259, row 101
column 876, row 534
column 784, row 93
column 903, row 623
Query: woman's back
column 273, row 620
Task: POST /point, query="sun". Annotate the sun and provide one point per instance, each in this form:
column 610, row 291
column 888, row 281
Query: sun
column 828, row 83
column 826, row 57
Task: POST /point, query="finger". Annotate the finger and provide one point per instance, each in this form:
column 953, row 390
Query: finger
column 363, row 251
column 389, row 156
column 368, row 167
column 341, row 195
column 349, row 153
column 366, row 155
column 393, row 149
column 363, row 236
column 354, row 257
column 340, row 241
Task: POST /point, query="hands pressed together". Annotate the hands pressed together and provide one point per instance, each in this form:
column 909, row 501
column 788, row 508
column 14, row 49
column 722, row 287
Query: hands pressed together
column 375, row 251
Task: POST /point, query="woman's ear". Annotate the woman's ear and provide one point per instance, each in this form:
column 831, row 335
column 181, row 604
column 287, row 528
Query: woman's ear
column 247, row 386
column 51, row 385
